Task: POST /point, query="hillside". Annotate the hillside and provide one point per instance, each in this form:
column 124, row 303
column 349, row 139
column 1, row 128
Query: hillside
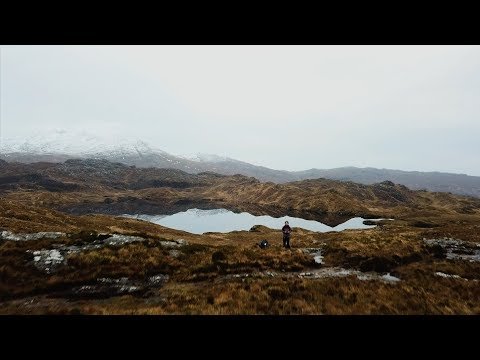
column 99, row 186
column 61, row 147
column 433, row 181
column 62, row 253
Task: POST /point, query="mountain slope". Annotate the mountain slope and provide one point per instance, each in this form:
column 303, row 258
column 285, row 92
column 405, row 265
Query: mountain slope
column 61, row 146
column 99, row 186
column 433, row 181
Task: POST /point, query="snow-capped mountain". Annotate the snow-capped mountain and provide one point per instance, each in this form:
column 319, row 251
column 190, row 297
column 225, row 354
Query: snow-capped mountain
column 201, row 157
column 60, row 145
column 71, row 143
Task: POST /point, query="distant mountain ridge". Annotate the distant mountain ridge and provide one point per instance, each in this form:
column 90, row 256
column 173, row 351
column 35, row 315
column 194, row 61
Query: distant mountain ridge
column 416, row 180
column 62, row 146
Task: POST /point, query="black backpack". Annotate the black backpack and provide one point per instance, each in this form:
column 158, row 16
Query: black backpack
column 263, row 244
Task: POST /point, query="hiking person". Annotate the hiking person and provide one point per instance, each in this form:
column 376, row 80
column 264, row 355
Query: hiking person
column 286, row 230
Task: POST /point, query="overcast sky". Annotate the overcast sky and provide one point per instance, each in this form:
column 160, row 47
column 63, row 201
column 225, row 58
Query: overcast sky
column 284, row 107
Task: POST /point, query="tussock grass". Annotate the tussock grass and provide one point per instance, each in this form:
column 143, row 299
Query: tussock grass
column 198, row 281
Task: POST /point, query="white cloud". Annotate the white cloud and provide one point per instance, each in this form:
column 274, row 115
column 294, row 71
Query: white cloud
column 336, row 105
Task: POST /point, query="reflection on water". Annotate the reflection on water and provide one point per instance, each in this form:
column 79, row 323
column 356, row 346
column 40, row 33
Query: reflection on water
column 221, row 220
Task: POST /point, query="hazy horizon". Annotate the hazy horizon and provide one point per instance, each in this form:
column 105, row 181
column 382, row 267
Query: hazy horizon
column 412, row 108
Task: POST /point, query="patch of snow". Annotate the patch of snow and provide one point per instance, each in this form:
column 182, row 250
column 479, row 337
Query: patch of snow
column 390, row 278
column 318, row 259
column 452, row 276
column 316, row 253
column 201, row 157
column 78, row 143
column 438, row 273
column 341, row 272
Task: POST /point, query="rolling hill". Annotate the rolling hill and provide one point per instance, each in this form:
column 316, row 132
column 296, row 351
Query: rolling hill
column 60, row 148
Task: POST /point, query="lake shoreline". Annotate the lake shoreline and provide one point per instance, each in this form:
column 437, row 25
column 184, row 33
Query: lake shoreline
column 200, row 221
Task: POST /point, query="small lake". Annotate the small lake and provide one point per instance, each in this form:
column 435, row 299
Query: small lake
column 198, row 221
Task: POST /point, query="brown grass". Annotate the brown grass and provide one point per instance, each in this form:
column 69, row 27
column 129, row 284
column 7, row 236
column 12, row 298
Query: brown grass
column 199, row 281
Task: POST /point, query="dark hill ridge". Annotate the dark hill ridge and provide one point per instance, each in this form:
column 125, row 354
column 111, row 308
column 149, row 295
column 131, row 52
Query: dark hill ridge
column 433, row 181
column 100, row 186
column 94, row 173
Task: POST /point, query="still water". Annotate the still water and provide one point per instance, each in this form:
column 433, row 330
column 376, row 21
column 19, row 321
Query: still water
column 198, row 221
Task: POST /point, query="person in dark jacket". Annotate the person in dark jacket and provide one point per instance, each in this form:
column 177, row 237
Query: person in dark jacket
column 286, row 230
